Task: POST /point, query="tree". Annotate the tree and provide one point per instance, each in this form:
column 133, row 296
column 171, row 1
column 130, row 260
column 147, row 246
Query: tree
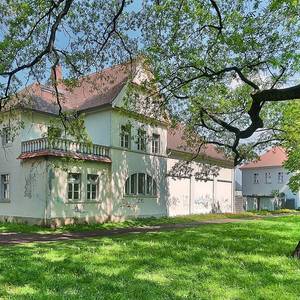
column 223, row 67
column 36, row 35
column 290, row 136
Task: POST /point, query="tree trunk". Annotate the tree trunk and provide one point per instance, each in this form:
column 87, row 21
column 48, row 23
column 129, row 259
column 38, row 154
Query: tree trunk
column 296, row 252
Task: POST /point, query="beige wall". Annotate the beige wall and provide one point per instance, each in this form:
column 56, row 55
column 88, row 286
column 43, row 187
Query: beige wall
column 27, row 180
column 38, row 189
column 84, row 209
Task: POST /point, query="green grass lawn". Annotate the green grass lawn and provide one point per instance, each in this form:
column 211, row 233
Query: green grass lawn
column 13, row 227
column 249, row 260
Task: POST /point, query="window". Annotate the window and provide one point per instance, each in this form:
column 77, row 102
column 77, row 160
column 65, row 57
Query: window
column 92, row 187
column 141, row 144
column 125, row 137
column 6, row 136
column 256, row 178
column 74, row 185
column 155, row 143
column 280, row 177
column 4, row 187
column 140, row 184
column 268, row 177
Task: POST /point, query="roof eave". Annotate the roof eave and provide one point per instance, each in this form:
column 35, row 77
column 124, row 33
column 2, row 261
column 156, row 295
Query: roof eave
column 200, row 158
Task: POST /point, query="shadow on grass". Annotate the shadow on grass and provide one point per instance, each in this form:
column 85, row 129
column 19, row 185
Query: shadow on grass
column 226, row 261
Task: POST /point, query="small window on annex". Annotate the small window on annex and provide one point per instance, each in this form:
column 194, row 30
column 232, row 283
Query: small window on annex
column 140, row 184
column 280, row 177
column 256, row 178
column 74, row 186
column 268, row 177
column 92, row 187
column 125, row 136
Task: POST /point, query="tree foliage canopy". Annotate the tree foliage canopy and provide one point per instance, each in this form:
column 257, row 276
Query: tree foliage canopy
column 225, row 68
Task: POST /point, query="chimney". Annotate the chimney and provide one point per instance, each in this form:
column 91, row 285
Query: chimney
column 57, row 74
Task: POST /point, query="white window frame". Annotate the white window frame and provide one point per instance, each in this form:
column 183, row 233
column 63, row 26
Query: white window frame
column 256, row 178
column 4, row 192
column 90, row 183
column 140, row 184
column 141, row 142
column 125, row 137
column 280, row 177
column 6, row 136
column 72, row 183
column 155, row 143
column 268, row 178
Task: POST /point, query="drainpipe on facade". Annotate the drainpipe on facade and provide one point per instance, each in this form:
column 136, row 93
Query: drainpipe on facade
column 190, row 197
column 47, row 215
column 47, row 192
column 233, row 192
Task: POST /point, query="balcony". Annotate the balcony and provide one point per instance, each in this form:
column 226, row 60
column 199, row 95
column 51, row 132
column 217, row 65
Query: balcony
column 64, row 148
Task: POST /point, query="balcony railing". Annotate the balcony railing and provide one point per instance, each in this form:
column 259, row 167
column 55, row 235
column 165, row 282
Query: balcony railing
column 63, row 145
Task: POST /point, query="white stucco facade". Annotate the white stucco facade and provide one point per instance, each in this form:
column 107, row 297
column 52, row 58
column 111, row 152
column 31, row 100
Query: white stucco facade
column 38, row 187
column 255, row 185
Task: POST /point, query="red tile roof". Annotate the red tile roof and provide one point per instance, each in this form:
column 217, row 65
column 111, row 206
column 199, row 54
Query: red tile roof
column 274, row 157
column 177, row 142
column 91, row 91
column 57, row 153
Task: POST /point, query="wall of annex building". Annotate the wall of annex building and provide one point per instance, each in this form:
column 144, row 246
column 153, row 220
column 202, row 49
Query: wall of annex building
column 83, row 209
column 193, row 196
column 266, row 189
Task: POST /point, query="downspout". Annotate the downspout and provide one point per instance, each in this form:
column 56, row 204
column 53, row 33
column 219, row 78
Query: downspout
column 46, row 191
column 190, row 197
column 233, row 192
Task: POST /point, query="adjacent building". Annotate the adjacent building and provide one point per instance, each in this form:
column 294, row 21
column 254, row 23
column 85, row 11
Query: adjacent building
column 265, row 182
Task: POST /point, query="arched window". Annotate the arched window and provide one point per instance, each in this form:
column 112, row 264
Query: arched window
column 140, row 184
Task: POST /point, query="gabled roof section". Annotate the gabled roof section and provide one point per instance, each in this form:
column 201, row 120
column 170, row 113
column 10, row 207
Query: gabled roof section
column 90, row 92
column 176, row 142
column 274, row 157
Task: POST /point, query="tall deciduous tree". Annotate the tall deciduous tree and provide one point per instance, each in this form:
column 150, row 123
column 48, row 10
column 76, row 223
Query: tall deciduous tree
column 225, row 67
column 83, row 36
column 222, row 66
